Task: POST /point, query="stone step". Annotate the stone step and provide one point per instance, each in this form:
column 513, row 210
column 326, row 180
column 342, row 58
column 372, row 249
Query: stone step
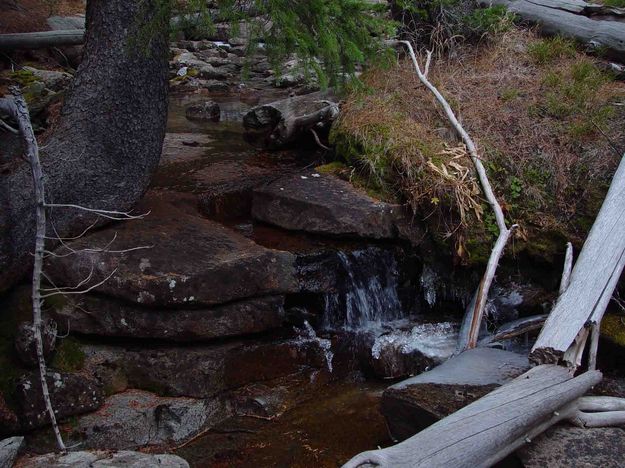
column 179, row 260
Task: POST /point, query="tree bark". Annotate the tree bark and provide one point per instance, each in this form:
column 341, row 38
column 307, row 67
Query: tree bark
column 109, row 137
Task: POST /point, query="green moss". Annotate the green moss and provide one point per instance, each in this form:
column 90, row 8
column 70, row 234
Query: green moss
column 334, row 167
column 614, row 3
column 69, row 356
column 613, row 327
column 546, row 51
column 23, row 77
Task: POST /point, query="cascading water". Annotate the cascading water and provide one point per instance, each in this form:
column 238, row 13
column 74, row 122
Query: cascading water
column 367, row 294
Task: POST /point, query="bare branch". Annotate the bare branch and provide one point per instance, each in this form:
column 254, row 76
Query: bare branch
column 91, row 288
column 568, row 268
column 110, row 214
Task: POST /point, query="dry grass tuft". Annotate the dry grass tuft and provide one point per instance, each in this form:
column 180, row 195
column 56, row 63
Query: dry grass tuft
column 547, row 122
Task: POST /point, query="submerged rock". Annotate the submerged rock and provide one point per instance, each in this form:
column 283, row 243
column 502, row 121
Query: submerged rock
column 71, row 394
column 96, row 315
column 323, row 204
column 176, row 259
column 26, row 345
column 102, row 459
column 208, row 110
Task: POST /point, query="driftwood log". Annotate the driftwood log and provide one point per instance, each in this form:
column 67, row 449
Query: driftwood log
column 593, row 280
column 281, row 122
column 43, row 39
column 597, row 26
column 491, row 428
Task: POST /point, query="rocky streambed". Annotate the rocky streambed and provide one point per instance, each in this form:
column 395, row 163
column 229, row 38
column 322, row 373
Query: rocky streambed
column 255, row 314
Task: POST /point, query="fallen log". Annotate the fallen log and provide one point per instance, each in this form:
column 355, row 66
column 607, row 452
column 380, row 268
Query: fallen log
column 597, row 26
column 593, row 280
column 281, row 122
column 418, row 402
column 43, row 39
column 491, row 428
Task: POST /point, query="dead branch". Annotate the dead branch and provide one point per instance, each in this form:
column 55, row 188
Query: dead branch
column 469, row 334
column 19, row 111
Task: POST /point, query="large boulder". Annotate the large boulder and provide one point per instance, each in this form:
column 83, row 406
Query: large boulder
column 324, row 204
column 565, row 445
column 102, row 459
column 101, row 316
column 416, row 403
column 176, row 259
column 71, row 394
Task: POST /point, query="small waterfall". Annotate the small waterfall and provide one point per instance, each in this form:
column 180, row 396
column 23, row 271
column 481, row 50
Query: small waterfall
column 367, row 291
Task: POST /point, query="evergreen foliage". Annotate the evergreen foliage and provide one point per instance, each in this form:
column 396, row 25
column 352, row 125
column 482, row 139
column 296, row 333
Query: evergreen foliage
column 329, row 37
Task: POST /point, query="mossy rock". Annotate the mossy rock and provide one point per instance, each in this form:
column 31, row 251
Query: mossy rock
column 613, row 328
column 69, row 356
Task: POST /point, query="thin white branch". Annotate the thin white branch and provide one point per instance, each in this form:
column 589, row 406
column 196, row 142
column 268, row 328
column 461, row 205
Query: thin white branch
column 91, row 226
column 427, row 63
column 73, row 288
column 317, row 140
column 91, row 288
column 17, row 108
column 7, row 127
column 110, row 214
column 470, row 334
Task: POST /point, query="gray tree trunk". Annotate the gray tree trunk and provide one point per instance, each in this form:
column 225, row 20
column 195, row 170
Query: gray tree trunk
column 108, row 141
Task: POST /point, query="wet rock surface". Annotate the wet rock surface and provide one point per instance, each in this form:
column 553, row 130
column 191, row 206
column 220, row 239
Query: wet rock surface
column 102, row 459
column 102, row 316
column 178, row 260
column 323, row 204
column 71, row 394
column 575, row 447
column 414, row 404
column 208, row 110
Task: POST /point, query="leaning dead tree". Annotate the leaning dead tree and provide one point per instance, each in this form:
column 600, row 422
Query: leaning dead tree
column 469, row 332
column 15, row 107
column 580, row 309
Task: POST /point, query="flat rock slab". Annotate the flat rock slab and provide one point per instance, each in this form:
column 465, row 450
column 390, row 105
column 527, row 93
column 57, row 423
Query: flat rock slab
column 575, row 447
column 103, row 316
column 416, row 403
column 135, row 419
column 324, row 205
column 199, row 371
column 187, row 261
column 102, row 459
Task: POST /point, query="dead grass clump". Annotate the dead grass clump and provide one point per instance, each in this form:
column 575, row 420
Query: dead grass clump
column 545, row 121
